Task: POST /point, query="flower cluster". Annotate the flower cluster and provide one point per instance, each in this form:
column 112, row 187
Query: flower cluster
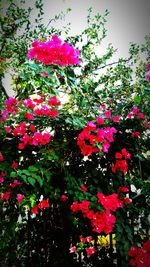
column 54, row 52
column 147, row 76
column 135, row 112
column 6, row 195
column 101, row 221
column 93, row 139
column 30, row 110
column 43, row 204
column 140, row 256
column 121, row 161
column 86, row 243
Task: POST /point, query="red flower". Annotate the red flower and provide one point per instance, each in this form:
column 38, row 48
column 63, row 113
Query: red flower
column 83, row 188
column 34, row 210
column 127, row 200
column 118, row 155
column 53, row 113
column 125, row 153
column 32, row 128
column 123, row 189
column 6, row 195
column 141, row 257
column 136, row 134
column 14, row 165
column 63, row 198
column 21, row 146
column 75, row 207
column 44, row 204
column 84, row 206
column 82, row 239
column 29, row 116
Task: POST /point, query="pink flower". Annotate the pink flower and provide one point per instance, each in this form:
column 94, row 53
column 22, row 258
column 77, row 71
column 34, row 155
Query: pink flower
column 89, row 239
column 116, row 118
column 141, row 115
column 44, row 73
column 2, row 175
column 1, row 179
column 54, row 52
column 73, row 249
column 14, row 165
column 63, row 198
column 20, row 197
column 147, row 123
column 108, row 114
column 1, row 157
column 15, row 183
column 147, row 76
column 91, row 126
column 90, row 251
column 105, row 147
column 148, row 66
column 102, row 106
column 100, row 120
column 53, row 101
column 8, row 129
column 130, row 115
column 135, row 110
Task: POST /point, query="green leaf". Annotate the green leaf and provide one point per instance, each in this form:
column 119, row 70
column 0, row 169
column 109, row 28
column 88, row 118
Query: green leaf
column 13, row 174
column 31, row 181
column 24, row 178
column 33, row 200
column 137, row 99
column 33, row 66
column 39, row 179
column 32, row 169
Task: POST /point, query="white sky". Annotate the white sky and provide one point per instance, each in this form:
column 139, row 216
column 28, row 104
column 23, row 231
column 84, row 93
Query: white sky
column 128, row 21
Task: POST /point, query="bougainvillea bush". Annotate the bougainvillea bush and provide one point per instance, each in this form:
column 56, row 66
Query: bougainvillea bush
column 74, row 149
